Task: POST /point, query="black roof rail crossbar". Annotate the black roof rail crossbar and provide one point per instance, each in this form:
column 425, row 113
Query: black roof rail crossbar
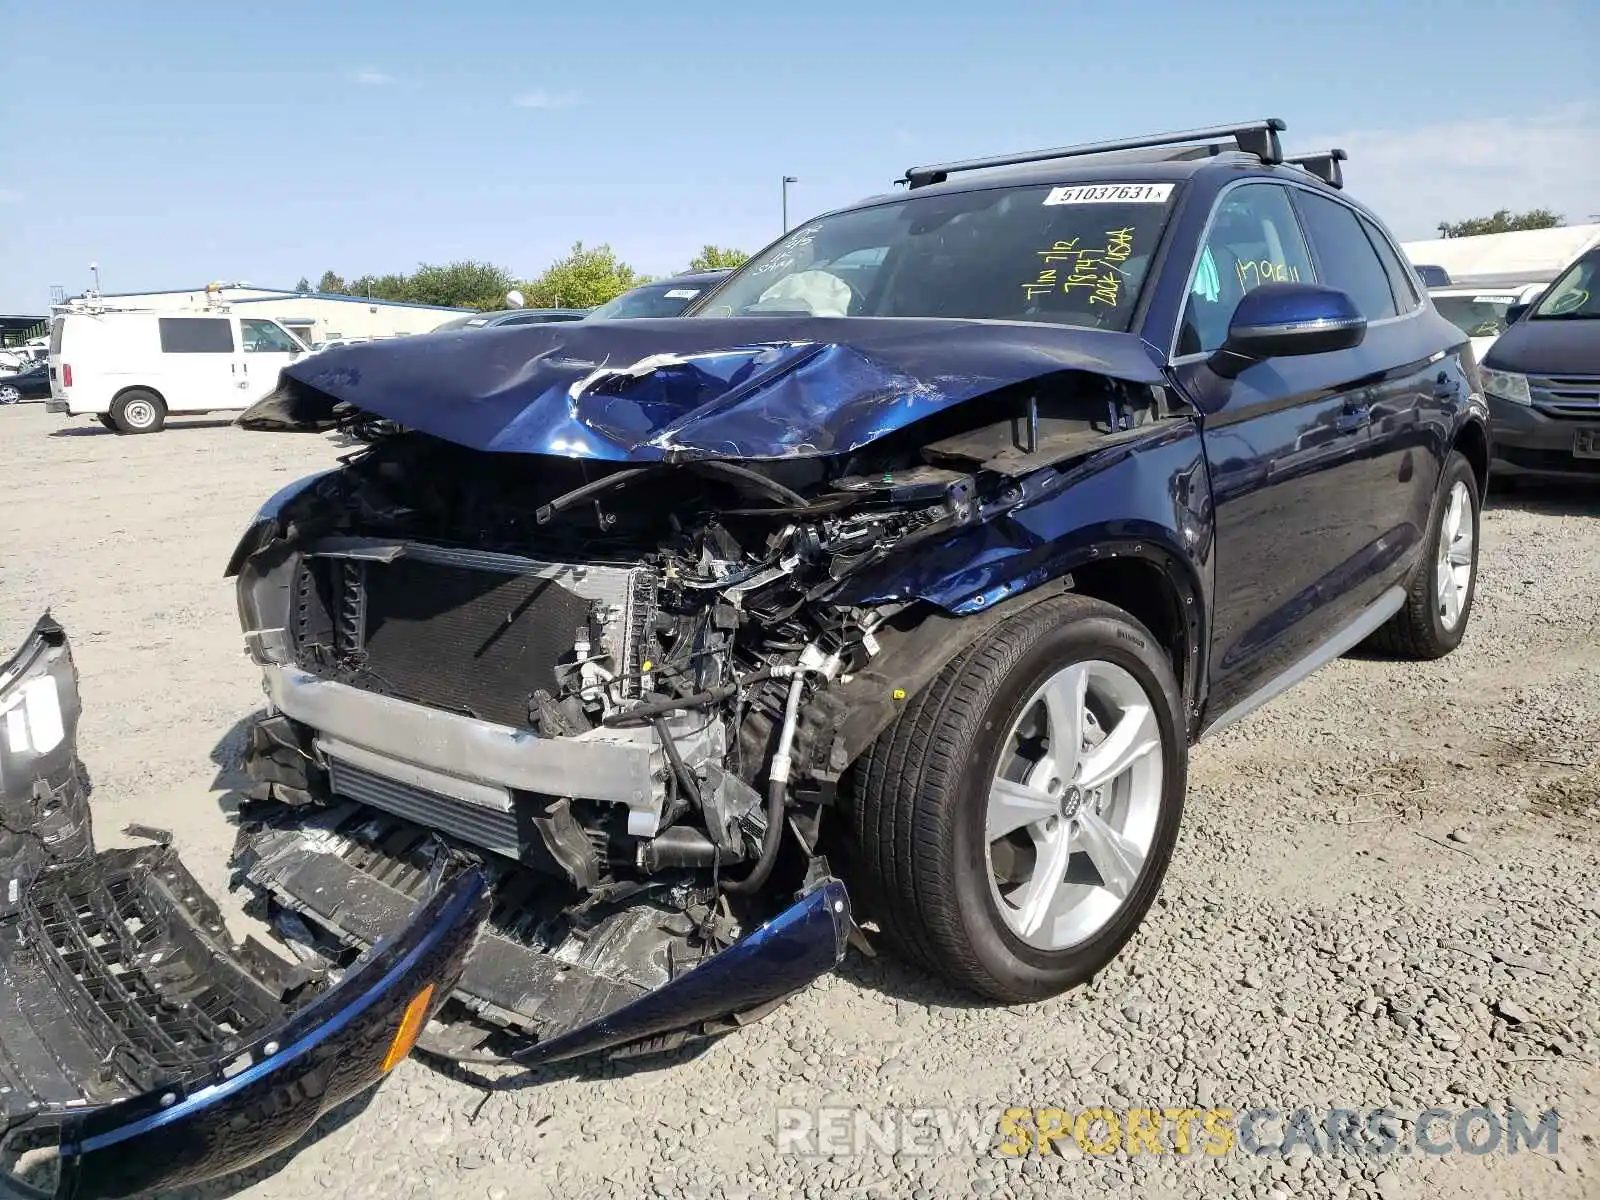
column 1324, row 166
column 1259, row 138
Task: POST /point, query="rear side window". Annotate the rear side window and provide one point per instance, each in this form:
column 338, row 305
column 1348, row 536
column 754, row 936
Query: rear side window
column 56, row 327
column 195, row 335
column 1405, row 292
column 1347, row 258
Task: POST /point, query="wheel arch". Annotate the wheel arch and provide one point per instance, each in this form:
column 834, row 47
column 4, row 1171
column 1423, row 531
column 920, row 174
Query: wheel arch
column 139, row 387
column 1472, row 440
column 1151, row 581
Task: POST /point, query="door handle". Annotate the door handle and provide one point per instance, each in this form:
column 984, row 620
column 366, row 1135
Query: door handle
column 1352, row 419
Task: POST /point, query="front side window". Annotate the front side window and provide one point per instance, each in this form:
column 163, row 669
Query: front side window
column 1066, row 254
column 1253, row 239
column 1576, row 295
column 265, row 337
column 1348, row 259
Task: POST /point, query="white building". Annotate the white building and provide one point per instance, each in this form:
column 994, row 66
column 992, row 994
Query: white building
column 312, row 316
column 1505, row 259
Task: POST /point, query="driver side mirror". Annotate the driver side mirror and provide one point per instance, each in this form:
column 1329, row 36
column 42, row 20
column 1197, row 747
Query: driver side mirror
column 1279, row 320
column 1515, row 313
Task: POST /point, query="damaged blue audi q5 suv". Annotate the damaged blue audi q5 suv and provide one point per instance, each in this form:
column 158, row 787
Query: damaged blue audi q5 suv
column 891, row 583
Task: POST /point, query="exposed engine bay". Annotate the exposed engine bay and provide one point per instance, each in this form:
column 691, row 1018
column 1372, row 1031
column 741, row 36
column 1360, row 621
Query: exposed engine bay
column 634, row 675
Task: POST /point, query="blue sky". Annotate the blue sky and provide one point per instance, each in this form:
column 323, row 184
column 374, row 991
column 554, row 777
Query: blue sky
column 176, row 143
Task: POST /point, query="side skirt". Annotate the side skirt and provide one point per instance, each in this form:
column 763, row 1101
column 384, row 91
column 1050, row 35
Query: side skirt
column 1358, row 630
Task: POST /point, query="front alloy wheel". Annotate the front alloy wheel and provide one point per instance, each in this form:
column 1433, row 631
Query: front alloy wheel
column 9, row 394
column 1012, row 827
column 1072, row 810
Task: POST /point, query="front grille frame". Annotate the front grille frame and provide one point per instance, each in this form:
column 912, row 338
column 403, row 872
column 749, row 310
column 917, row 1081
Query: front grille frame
column 1570, row 397
column 339, row 603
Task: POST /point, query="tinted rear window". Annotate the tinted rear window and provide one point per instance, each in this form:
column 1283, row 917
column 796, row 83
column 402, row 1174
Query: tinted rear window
column 195, row 335
column 56, row 327
column 1347, row 258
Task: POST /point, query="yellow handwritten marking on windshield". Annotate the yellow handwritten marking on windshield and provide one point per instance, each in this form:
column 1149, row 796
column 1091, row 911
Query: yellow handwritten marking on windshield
column 1253, row 274
column 1097, row 270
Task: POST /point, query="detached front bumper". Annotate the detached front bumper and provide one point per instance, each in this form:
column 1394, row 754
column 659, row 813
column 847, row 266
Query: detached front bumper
column 1527, row 443
column 139, row 1041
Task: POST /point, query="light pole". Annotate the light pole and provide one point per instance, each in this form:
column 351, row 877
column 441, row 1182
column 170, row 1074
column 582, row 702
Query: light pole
column 787, row 180
column 95, row 267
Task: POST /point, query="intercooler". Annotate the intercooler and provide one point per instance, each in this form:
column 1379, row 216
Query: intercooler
column 470, row 632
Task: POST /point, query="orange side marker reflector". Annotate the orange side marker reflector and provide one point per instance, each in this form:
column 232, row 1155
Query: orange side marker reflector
column 410, row 1029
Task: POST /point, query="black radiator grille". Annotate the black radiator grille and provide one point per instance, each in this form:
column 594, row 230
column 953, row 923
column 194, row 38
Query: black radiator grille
column 466, row 640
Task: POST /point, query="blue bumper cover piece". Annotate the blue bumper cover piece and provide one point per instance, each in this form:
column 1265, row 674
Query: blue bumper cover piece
column 803, row 942
column 334, row 1048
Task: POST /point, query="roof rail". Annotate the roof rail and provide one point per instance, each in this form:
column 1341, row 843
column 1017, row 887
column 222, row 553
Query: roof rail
column 1324, row 166
column 1259, row 138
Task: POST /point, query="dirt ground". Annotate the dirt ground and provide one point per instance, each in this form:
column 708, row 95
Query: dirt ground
column 1386, row 894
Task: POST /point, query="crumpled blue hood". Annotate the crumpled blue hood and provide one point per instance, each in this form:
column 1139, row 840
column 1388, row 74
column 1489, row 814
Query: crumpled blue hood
column 652, row 390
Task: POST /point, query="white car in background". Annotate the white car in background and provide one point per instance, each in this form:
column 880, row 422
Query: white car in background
column 1480, row 312
column 132, row 368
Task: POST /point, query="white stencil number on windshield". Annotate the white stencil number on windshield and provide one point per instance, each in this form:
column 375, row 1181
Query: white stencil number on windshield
column 1110, row 193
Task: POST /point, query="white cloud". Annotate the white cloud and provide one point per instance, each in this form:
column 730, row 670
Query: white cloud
column 542, row 99
column 1415, row 178
column 9, row 195
column 372, row 77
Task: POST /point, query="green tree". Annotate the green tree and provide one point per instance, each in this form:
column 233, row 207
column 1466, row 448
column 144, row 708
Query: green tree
column 712, row 258
column 461, row 285
column 332, row 284
column 585, row 278
column 1502, row 221
column 303, row 286
column 381, row 287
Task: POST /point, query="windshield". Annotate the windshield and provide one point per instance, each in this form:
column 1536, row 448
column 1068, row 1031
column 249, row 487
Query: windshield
column 1482, row 315
column 1576, row 295
column 651, row 300
column 1073, row 255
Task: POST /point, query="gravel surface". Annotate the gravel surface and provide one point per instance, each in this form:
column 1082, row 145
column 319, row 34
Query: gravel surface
column 1386, row 895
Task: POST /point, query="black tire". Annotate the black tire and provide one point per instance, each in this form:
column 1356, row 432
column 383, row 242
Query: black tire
column 920, row 799
column 138, row 410
column 1418, row 631
column 105, row 419
column 9, row 394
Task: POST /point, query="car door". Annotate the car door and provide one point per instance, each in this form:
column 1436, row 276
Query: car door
column 196, row 370
column 265, row 348
column 1416, row 384
column 1286, row 443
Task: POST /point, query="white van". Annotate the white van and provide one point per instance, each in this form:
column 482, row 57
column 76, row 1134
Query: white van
column 130, row 369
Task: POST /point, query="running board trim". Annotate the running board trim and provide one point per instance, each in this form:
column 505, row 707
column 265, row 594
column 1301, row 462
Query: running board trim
column 1365, row 624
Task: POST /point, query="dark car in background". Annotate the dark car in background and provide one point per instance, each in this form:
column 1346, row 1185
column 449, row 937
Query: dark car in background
column 30, row 383
column 512, row 316
column 1542, row 377
column 659, row 298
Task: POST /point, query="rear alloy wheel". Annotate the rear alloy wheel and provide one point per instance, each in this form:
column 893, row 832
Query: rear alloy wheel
column 138, row 411
column 1439, row 596
column 9, row 394
column 1013, row 826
